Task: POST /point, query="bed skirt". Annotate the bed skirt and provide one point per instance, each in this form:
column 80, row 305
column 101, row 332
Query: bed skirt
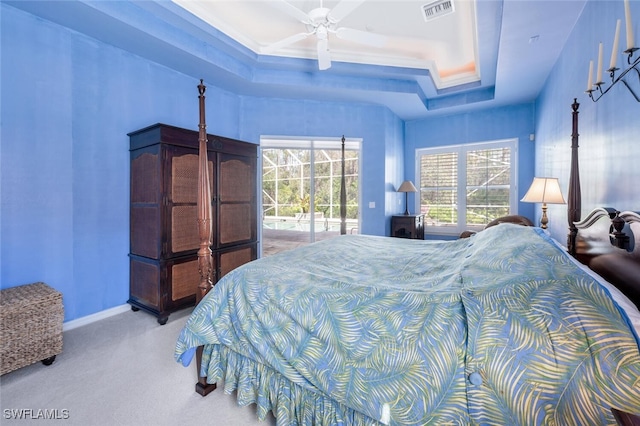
column 290, row 403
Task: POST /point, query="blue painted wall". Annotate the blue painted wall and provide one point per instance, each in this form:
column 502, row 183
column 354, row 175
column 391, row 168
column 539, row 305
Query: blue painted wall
column 480, row 126
column 609, row 153
column 68, row 102
column 394, row 168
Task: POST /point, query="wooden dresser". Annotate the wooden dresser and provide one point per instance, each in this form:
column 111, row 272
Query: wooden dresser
column 163, row 214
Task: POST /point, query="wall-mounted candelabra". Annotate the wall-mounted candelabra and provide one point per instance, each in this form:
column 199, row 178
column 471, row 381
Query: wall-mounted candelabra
column 595, row 90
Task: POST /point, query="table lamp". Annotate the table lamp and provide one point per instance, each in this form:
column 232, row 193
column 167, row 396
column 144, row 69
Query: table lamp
column 544, row 190
column 407, row 187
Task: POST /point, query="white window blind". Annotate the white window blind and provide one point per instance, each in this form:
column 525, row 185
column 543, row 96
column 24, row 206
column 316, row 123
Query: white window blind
column 466, row 186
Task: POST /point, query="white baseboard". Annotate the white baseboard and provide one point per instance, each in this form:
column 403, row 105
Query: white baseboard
column 79, row 322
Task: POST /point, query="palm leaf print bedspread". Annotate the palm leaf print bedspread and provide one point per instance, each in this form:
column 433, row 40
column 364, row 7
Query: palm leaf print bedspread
column 501, row 328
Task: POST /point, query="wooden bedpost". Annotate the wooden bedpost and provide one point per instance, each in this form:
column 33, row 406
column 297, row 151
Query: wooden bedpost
column 343, row 197
column 574, row 197
column 205, row 262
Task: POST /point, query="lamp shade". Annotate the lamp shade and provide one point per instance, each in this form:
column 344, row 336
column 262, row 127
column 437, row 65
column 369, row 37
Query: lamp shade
column 407, row 186
column 544, row 190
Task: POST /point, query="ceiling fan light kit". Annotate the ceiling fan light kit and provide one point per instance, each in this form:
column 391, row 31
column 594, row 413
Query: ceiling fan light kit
column 321, row 22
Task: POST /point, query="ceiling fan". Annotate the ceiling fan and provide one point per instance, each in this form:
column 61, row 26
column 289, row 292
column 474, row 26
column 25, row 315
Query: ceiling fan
column 321, row 22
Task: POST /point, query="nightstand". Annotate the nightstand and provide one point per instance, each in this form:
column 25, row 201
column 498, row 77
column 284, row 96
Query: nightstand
column 408, row 226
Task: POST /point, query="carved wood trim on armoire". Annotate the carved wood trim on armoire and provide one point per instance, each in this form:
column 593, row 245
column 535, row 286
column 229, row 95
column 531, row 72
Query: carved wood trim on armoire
column 163, row 214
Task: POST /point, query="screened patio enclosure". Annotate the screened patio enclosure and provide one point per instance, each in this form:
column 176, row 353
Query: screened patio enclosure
column 301, row 192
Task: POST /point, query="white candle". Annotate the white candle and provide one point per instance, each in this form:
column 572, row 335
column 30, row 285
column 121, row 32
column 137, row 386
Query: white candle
column 590, row 82
column 599, row 78
column 627, row 16
column 614, row 51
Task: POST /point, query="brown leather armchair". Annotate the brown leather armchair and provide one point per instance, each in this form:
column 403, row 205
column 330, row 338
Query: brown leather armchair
column 514, row 218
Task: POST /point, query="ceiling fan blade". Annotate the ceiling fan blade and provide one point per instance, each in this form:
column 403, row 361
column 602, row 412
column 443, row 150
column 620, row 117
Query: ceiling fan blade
column 292, row 11
column 362, row 37
column 284, row 42
column 324, row 56
column 342, row 9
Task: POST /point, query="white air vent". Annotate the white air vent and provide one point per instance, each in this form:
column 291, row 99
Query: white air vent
column 436, row 9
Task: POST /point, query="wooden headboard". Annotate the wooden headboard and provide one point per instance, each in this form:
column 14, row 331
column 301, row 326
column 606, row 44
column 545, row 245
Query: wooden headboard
column 607, row 240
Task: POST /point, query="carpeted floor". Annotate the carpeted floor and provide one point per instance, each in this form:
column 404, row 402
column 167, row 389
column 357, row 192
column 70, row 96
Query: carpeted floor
column 118, row 371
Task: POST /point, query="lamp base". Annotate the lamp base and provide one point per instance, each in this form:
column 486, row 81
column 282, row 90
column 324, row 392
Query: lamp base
column 544, row 220
column 406, row 203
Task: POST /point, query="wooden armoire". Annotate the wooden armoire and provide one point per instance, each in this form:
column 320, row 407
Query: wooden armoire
column 163, row 215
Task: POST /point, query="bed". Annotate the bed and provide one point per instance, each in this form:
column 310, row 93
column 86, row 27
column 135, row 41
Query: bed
column 503, row 327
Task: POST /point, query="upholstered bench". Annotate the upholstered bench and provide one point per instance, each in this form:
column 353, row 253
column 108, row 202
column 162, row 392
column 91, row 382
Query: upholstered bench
column 31, row 319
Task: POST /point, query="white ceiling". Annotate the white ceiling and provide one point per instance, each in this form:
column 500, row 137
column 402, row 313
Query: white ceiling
column 445, row 45
column 487, row 53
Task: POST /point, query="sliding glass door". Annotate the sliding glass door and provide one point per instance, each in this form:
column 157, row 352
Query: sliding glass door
column 301, row 191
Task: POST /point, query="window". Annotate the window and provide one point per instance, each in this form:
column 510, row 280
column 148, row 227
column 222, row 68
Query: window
column 466, row 186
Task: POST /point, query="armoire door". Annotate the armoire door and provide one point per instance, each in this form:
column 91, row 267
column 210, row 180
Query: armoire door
column 236, row 200
column 181, row 199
